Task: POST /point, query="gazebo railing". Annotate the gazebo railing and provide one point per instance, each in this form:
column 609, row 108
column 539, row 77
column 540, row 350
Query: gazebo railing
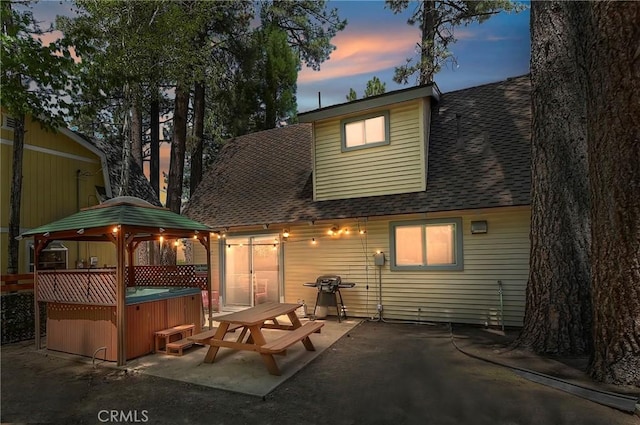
column 186, row 275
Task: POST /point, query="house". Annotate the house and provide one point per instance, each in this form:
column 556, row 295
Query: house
column 420, row 198
column 63, row 172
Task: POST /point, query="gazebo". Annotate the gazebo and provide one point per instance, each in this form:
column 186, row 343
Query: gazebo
column 125, row 222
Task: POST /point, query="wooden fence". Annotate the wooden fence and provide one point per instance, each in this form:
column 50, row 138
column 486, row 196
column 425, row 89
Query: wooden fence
column 16, row 282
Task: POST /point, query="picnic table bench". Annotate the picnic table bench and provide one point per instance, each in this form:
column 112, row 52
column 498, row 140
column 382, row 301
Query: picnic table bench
column 176, row 348
column 253, row 320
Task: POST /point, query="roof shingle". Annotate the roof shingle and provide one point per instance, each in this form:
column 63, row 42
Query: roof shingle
column 478, row 158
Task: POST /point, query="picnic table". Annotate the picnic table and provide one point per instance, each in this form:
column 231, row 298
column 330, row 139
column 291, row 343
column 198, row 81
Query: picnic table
column 253, row 320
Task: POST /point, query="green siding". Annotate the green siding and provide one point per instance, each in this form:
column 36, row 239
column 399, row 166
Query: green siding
column 469, row 296
column 51, row 188
column 395, row 168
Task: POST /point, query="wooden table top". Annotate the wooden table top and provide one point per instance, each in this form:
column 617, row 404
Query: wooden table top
column 258, row 314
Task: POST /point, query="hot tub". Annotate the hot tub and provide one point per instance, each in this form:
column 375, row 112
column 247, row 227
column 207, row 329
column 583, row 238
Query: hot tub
column 81, row 313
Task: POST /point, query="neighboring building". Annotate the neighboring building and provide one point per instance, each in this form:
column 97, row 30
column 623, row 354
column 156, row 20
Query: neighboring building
column 439, row 183
column 63, row 172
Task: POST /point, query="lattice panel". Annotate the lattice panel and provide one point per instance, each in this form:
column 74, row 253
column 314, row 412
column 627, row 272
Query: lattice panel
column 188, row 275
column 78, row 286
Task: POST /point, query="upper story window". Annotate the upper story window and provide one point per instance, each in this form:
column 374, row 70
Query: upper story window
column 427, row 245
column 365, row 131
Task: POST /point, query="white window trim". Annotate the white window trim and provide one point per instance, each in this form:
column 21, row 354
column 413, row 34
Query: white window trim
column 343, row 136
column 458, row 239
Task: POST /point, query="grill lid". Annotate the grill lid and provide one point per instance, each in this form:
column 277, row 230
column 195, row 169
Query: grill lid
column 328, row 280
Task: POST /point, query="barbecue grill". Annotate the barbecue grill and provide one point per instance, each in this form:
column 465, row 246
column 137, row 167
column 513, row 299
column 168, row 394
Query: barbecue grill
column 329, row 293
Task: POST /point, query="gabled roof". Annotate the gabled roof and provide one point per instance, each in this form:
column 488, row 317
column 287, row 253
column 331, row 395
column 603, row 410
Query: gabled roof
column 138, row 185
column 128, row 211
column 478, row 158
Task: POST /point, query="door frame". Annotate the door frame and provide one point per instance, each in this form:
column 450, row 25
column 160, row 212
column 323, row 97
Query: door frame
column 222, row 261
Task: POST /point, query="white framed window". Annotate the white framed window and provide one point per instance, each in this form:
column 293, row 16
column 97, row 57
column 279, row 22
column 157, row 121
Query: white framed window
column 426, row 245
column 54, row 256
column 365, row 131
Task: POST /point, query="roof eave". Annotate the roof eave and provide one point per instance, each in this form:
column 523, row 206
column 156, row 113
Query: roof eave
column 373, row 102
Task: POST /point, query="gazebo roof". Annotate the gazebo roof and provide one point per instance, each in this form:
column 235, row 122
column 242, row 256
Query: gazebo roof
column 124, row 211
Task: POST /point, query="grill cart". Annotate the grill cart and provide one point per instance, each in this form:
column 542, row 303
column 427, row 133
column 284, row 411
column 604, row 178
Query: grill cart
column 329, row 293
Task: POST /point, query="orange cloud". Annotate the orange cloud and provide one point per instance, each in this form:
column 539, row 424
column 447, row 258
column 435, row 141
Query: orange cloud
column 366, row 51
column 51, row 36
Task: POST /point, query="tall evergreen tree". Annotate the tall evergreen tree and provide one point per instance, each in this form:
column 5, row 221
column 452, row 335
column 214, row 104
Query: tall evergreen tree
column 375, row 87
column 437, row 20
column 613, row 71
column 278, row 91
column 558, row 308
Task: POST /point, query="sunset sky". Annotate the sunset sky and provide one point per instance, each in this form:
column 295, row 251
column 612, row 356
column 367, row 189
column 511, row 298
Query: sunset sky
column 375, row 41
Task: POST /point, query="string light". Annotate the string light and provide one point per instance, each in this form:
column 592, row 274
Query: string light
column 313, row 241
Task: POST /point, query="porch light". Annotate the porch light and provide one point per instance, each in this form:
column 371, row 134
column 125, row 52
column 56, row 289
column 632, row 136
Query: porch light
column 115, row 229
column 285, row 233
column 176, row 243
column 313, row 241
column 161, row 239
column 195, row 236
column 161, row 230
column 80, row 232
column 346, row 230
column 362, row 231
column 478, row 227
column 46, row 235
column 18, row 238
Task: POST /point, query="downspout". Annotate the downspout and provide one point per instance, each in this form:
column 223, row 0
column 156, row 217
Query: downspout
column 501, row 305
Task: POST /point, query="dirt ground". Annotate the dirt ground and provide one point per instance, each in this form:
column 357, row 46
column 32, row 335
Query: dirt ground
column 379, row 373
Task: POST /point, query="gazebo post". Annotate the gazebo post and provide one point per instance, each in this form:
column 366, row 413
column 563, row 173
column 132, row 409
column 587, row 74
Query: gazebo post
column 207, row 247
column 131, row 272
column 36, row 312
column 120, row 297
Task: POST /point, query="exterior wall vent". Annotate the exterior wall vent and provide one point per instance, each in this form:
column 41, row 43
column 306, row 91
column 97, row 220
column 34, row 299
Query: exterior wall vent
column 9, row 122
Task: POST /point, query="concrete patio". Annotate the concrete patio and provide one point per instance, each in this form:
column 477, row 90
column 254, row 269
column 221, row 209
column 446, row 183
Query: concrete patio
column 240, row 371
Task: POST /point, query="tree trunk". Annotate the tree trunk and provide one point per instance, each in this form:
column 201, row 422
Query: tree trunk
column 198, row 130
column 614, row 146
column 178, row 145
column 16, row 195
column 154, row 162
column 427, row 46
column 136, row 133
column 558, row 302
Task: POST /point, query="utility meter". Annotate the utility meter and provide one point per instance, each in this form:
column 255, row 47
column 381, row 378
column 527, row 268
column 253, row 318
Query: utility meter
column 378, row 258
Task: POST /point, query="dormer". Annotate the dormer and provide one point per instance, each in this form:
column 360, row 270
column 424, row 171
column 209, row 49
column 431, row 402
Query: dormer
column 372, row 146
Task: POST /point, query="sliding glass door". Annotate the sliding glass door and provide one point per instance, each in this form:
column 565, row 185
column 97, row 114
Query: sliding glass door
column 251, row 270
